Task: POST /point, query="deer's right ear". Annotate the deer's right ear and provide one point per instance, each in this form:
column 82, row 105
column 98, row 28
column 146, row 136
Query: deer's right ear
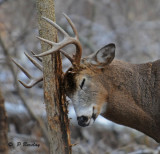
column 102, row 57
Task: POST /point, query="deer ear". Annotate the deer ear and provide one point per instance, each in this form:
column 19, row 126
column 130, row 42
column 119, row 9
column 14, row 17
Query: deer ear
column 102, row 57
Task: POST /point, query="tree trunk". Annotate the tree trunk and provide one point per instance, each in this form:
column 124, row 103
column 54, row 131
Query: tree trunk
column 3, row 127
column 58, row 123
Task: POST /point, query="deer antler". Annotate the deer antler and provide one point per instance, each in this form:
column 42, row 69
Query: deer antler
column 33, row 80
column 67, row 40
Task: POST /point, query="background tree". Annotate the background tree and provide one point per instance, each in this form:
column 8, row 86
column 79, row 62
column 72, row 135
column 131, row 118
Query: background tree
column 3, row 127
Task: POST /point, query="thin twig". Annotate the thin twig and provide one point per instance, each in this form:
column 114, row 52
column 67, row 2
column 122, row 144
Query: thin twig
column 3, row 1
column 2, row 60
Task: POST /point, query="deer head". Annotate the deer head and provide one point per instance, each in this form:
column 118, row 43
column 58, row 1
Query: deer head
column 81, row 80
column 84, row 87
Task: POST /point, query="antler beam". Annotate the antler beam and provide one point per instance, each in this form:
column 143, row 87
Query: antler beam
column 67, row 40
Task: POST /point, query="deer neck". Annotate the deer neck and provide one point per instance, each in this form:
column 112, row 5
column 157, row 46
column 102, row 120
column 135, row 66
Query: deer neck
column 130, row 97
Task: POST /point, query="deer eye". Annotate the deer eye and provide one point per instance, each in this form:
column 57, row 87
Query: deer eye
column 82, row 83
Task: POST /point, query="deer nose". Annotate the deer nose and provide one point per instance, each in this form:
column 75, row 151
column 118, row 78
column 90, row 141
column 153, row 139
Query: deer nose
column 82, row 121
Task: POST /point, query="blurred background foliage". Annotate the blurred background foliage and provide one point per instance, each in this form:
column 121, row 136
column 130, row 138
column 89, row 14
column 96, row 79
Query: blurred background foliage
column 134, row 26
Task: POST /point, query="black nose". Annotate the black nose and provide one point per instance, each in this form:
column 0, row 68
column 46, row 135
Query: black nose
column 82, row 121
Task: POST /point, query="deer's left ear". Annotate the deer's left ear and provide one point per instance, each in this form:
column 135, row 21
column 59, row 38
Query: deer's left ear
column 102, row 57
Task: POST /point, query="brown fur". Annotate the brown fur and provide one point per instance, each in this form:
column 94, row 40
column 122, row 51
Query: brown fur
column 132, row 93
column 134, row 96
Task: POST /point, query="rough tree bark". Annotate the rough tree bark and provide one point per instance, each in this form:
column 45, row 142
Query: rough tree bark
column 3, row 127
column 58, row 123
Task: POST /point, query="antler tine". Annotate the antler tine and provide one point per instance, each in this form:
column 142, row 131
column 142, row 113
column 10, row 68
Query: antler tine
column 50, row 51
column 45, row 40
column 67, row 40
column 65, row 54
column 72, row 25
column 33, row 80
column 34, row 62
column 22, row 69
column 79, row 47
column 56, row 26
column 36, row 57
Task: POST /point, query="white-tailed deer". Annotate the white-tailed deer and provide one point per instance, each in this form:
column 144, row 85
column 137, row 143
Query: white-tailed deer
column 128, row 94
